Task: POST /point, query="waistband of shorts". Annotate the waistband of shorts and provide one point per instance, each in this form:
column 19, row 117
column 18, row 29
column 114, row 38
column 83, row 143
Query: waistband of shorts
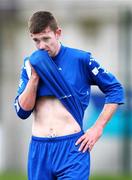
column 58, row 138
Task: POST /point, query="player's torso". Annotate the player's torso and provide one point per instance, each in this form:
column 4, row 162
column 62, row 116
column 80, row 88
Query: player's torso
column 51, row 118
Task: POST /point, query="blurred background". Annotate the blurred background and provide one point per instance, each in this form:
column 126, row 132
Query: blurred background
column 103, row 27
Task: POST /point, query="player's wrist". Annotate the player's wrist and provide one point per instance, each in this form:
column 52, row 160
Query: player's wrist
column 99, row 126
column 34, row 80
column 34, row 77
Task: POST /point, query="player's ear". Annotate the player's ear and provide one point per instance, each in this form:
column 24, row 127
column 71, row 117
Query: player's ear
column 58, row 33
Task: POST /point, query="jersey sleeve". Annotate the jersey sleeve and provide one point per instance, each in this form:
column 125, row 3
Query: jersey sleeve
column 23, row 114
column 105, row 80
column 23, row 80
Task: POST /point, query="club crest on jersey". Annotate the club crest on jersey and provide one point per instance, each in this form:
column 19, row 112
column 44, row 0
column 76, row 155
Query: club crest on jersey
column 95, row 71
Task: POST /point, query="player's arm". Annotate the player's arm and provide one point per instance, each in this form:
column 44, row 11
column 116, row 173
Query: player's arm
column 114, row 96
column 25, row 100
column 94, row 133
column 28, row 98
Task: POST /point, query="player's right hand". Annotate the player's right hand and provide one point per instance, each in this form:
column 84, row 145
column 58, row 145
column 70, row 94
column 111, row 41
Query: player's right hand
column 33, row 73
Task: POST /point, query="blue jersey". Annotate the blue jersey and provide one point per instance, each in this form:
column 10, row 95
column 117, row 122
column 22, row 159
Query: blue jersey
column 78, row 70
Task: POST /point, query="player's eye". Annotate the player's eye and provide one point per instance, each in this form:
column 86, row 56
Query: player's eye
column 36, row 40
column 46, row 39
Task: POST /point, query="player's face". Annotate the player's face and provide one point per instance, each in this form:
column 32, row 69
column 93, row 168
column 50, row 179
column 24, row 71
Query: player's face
column 48, row 40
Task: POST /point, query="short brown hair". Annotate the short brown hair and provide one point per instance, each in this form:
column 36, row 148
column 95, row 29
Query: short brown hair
column 41, row 20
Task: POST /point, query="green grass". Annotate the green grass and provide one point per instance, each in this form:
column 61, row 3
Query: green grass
column 110, row 177
column 12, row 176
column 21, row 176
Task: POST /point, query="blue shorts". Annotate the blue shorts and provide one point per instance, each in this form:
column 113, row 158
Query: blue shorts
column 57, row 158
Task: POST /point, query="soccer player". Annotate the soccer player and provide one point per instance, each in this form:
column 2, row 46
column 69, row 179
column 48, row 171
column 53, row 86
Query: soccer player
column 55, row 86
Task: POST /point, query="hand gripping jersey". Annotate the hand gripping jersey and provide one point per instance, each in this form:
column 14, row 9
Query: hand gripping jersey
column 69, row 76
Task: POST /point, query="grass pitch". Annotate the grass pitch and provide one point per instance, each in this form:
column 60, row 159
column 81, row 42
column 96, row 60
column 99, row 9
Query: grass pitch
column 22, row 176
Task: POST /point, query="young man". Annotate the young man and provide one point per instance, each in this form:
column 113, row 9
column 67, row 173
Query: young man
column 55, row 86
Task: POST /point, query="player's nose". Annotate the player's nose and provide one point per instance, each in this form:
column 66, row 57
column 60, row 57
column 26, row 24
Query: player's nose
column 42, row 45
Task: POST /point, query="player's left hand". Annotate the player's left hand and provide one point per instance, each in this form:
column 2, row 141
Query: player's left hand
column 90, row 137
